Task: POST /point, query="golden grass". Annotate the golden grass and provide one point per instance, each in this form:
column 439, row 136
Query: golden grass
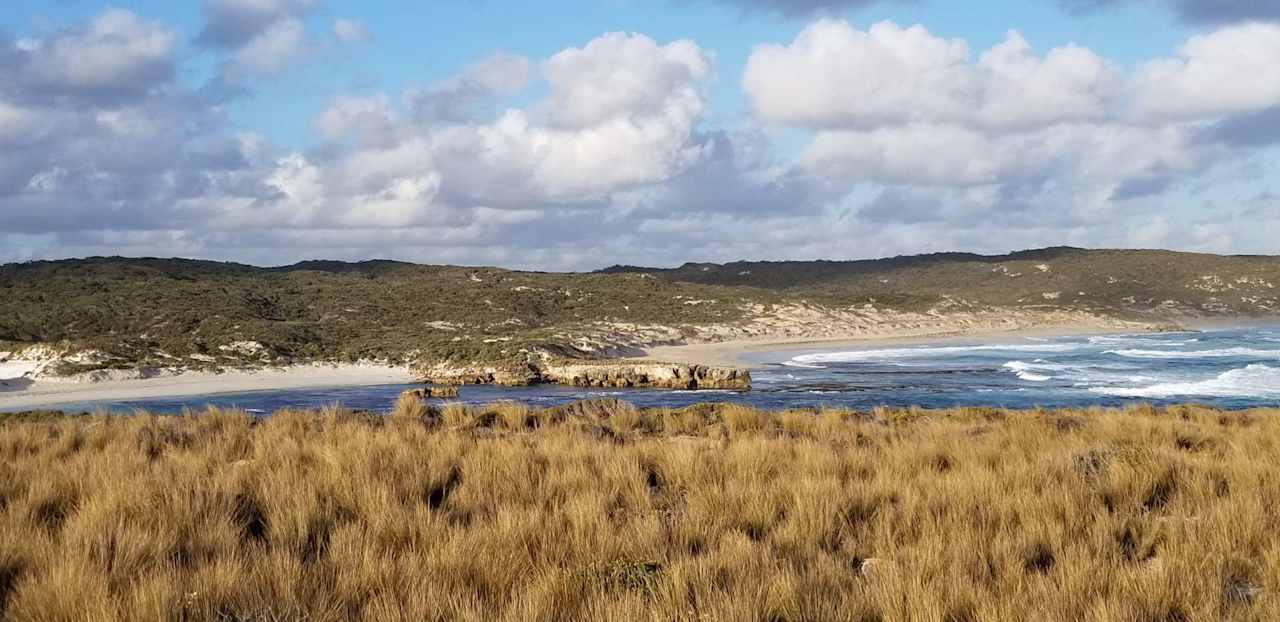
column 601, row 511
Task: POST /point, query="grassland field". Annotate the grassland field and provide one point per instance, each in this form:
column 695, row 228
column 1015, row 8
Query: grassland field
column 602, row 511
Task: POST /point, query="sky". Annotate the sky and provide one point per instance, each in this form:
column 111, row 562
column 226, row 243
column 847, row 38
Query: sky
column 577, row 135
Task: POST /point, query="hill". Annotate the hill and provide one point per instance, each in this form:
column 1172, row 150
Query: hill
column 124, row 313
column 1124, row 282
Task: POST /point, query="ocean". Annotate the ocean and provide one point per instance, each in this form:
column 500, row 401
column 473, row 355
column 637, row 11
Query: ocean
column 1229, row 368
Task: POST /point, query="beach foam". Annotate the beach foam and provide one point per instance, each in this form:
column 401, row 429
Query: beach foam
column 857, row 356
column 1256, row 381
column 1197, row 354
column 1124, row 340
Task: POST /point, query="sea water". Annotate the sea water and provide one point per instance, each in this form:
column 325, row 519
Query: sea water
column 1229, row 368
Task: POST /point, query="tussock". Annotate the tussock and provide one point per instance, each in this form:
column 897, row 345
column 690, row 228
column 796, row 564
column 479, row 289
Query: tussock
column 603, row 511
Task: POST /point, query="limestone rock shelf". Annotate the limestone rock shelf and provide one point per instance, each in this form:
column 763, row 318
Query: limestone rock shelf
column 613, row 374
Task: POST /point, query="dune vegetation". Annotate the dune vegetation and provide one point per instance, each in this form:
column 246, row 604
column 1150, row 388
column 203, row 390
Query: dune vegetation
column 133, row 314
column 601, row 511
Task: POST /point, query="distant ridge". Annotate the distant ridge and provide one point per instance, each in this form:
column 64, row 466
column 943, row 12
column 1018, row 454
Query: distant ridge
column 133, row 312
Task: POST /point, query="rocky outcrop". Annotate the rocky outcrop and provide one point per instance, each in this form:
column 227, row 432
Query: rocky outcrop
column 426, row 393
column 612, row 374
column 649, row 375
column 450, row 374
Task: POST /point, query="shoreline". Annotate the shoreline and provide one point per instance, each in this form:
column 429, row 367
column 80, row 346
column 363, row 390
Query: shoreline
column 736, row 352
column 20, row 394
column 46, row 393
column 743, row 352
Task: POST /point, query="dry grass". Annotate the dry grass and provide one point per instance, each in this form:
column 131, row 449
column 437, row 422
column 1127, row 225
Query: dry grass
column 602, row 511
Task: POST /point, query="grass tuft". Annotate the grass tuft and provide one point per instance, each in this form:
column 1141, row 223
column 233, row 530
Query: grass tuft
column 603, row 511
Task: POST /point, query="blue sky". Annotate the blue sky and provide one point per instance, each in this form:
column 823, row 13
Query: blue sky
column 527, row 134
column 421, row 43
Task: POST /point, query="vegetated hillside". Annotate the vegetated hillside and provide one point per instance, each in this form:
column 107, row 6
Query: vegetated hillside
column 138, row 309
column 601, row 511
column 143, row 312
column 1125, row 282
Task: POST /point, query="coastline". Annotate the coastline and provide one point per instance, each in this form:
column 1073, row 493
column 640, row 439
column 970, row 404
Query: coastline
column 46, row 393
column 740, row 353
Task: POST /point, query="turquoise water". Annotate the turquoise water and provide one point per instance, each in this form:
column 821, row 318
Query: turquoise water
column 1231, row 368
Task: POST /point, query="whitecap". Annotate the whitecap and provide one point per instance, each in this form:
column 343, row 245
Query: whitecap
column 1256, row 381
column 1134, row 340
column 796, row 363
column 856, row 356
column 1023, row 371
column 1196, row 354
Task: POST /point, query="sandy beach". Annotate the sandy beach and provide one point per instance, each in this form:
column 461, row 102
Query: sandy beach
column 23, row 394
column 743, row 353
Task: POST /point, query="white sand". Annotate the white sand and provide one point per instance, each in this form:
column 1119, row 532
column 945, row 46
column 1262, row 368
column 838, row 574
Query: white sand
column 12, row 370
column 734, row 353
column 22, row 394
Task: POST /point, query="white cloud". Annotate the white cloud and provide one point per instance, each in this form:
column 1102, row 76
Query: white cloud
column 834, row 76
column 369, row 119
column 350, row 31
column 116, row 50
column 1234, row 69
column 619, row 75
column 261, row 37
column 234, row 23
column 950, row 155
column 1020, row 90
column 916, row 144
column 924, row 137
column 620, row 112
column 463, row 96
column 271, row 51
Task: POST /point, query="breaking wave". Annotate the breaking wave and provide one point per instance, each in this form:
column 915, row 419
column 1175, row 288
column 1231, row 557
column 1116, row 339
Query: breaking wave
column 1256, row 381
column 1197, row 354
column 1121, row 340
column 1024, row 371
column 857, row 356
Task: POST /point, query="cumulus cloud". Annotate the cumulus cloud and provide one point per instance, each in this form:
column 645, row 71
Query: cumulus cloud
column 1259, row 128
column 1198, row 12
column 1229, row 70
column 602, row 153
column 96, row 133
column 1012, row 136
column 235, row 23
column 261, row 36
column 620, row 74
column 835, row 76
column 636, row 130
column 889, row 75
column 465, row 96
column 271, row 52
column 116, row 54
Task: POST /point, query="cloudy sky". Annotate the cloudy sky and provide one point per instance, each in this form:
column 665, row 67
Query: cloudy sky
column 572, row 135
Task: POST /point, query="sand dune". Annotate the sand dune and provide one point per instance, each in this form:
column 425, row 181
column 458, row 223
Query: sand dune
column 24, row 394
